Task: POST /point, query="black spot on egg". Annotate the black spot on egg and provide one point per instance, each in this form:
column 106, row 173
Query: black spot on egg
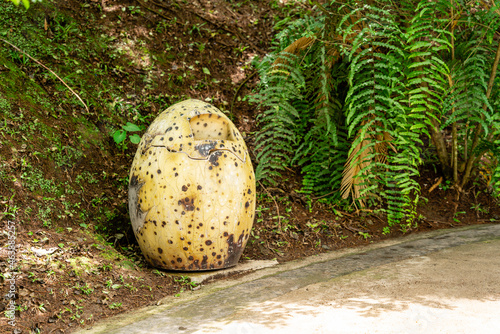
column 204, row 262
column 179, row 260
column 208, row 242
column 185, row 248
column 188, row 203
column 184, row 188
column 247, row 204
column 199, row 187
column 160, row 250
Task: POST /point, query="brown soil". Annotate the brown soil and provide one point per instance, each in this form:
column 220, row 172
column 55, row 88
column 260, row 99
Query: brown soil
column 78, row 284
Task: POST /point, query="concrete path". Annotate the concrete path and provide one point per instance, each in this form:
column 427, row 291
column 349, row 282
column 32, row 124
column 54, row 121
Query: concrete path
column 447, row 281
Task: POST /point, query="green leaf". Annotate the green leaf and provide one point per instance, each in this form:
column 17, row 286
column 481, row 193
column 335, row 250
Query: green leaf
column 135, row 139
column 130, row 127
column 119, row 136
column 206, row 71
column 26, row 3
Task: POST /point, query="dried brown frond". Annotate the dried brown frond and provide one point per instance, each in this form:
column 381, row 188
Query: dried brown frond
column 352, row 177
column 295, row 48
column 300, row 45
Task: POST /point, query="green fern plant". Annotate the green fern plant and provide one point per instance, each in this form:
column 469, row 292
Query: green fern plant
column 348, row 95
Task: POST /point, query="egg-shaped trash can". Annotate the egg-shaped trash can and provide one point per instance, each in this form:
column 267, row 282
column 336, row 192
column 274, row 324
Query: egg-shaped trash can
column 192, row 190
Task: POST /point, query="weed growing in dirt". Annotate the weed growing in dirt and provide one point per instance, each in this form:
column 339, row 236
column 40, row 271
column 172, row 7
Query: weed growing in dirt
column 119, row 136
column 185, row 282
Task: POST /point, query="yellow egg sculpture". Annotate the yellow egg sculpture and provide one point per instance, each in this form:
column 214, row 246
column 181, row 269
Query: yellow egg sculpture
column 192, row 190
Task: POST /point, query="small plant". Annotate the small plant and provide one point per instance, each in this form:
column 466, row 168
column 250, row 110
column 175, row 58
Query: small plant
column 455, row 216
column 159, row 273
column 115, row 306
column 186, row 282
column 41, row 307
column 106, row 267
column 21, row 308
column 33, row 277
column 447, row 185
column 119, row 136
column 86, row 289
column 477, row 207
column 365, row 235
column 314, row 226
column 281, row 243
